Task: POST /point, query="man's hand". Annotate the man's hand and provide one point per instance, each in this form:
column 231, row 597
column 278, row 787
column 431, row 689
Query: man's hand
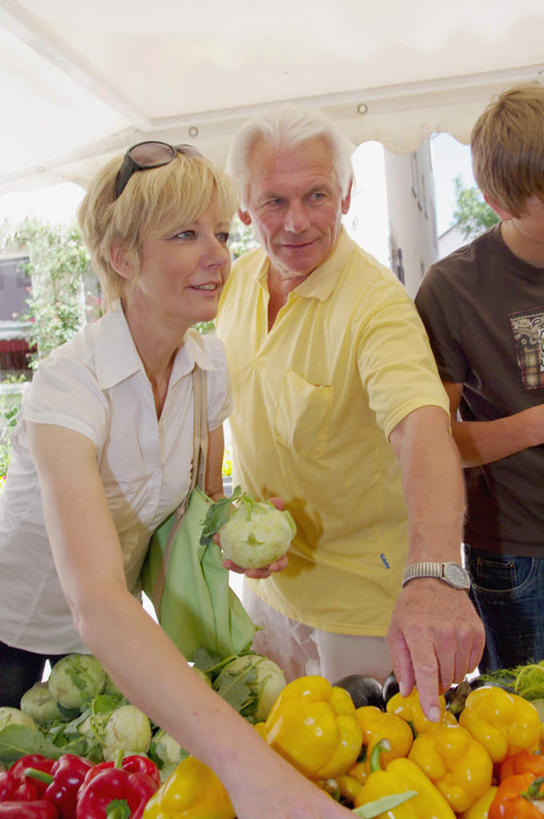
column 435, row 638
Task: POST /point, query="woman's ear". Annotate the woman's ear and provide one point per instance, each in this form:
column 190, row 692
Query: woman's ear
column 121, row 259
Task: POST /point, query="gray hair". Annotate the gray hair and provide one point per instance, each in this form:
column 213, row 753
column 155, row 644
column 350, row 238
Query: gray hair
column 286, row 127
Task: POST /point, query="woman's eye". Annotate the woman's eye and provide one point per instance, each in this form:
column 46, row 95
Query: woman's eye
column 185, row 234
column 223, row 237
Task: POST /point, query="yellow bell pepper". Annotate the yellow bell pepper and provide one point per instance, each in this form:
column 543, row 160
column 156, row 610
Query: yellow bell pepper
column 480, row 808
column 458, row 765
column 313, row 725
column 377, row 725
column 192, row 791
column 404, row 775
column 410, row 710
column 503, row 723
column 348, row 786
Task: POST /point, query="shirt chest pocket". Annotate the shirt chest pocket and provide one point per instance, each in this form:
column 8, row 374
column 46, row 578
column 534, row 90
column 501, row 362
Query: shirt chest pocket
column 303, row 415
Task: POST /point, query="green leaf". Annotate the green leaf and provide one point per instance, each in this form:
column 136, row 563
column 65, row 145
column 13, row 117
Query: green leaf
column 204, row 660
column 386, row 803
column 237, row 689
column 18, row 740
column 216, row 516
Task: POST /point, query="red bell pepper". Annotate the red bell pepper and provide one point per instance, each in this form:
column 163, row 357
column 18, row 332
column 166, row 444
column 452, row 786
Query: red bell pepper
column 17, row 789
column 39, row 763
column 63, row 782
column 114, row 793
column 40, row 809
column 134, row 763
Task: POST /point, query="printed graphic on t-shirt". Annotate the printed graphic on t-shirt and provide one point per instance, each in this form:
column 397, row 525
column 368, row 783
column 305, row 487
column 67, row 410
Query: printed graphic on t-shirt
column 528, row 331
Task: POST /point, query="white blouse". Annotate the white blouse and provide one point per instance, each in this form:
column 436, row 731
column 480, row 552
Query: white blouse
column 96, row 385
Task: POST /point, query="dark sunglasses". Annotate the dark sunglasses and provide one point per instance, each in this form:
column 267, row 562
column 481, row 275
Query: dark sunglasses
column 146, row 155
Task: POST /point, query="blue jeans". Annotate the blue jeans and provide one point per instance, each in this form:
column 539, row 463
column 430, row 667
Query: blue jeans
column 508, row 593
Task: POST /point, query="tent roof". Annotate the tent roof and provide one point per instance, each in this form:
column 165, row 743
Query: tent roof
column 82, row 80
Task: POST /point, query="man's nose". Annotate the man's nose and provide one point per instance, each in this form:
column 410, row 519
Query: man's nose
column 296, row 218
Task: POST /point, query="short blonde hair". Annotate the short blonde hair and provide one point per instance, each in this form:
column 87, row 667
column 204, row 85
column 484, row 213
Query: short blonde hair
column 507, row 145
column 154, row 200
column 287, row 127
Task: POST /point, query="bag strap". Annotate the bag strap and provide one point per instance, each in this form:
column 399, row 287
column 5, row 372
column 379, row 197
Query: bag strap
column 198, row 474
column 200, row 436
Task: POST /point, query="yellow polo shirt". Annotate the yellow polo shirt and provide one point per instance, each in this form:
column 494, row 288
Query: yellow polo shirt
column 315, row 399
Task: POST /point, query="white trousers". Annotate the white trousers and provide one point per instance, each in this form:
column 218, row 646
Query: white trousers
column 299, row 649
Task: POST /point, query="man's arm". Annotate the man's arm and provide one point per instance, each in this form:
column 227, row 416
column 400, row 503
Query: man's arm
column 482, row 442
column 435, row 635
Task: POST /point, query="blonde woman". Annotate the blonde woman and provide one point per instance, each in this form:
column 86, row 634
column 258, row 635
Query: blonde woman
column 103, row 454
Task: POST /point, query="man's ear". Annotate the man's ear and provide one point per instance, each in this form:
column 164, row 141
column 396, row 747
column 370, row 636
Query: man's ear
column 346, row 201
column 120, row 259
column 244, row 216
column 501, row 212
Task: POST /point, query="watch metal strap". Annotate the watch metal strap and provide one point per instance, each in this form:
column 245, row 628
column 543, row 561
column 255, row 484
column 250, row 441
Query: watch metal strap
column 425, row 568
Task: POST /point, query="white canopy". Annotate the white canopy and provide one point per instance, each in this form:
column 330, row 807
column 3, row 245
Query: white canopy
column 82, row 79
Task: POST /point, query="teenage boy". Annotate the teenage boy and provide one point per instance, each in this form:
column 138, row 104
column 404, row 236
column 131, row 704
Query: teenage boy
column 483, row 307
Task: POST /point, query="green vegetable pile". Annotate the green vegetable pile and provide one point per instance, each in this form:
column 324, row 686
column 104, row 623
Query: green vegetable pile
column 80, row 711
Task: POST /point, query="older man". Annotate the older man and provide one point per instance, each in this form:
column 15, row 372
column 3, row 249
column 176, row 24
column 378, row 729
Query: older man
column 339, row 410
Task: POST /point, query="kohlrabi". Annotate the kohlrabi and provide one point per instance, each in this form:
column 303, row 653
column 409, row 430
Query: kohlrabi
column 251, row 684
column 127, row 729
column 76, row 679
column 253, row 534
column 39, row 704
column 14, row 716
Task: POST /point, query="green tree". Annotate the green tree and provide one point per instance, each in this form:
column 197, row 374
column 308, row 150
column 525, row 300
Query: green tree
column 472, row 213
column 57, row 264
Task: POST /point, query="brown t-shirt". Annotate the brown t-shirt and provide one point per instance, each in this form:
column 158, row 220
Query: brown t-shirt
column 484, row 312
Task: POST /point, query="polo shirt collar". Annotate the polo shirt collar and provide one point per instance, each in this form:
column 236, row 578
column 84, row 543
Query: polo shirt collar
column 117, row 357
column 322, row 281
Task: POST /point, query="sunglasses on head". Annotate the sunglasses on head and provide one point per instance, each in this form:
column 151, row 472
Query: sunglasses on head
column 146, row 155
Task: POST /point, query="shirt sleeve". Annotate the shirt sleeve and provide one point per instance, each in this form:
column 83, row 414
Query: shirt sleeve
column 65, row 393
column 219, row 388
column 396, row 364
column 436, row 303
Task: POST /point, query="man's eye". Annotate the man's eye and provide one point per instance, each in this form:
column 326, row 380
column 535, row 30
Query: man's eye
column 223, row 237
column 317, row 195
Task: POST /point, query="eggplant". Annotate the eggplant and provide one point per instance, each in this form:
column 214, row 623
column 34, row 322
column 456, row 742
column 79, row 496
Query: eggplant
column 456, row 695
column 363, row 690
column 390, row 687
column 506, row 682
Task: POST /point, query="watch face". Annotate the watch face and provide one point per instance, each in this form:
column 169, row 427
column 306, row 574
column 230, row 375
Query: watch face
column 456, row 575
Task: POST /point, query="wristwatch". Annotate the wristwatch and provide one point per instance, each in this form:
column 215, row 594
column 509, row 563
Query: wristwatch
column 451, row 573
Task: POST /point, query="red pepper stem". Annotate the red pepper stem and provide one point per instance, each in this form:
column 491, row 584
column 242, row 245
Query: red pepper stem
column 118, row 809
column 379, row 747
column 43, row 776
column 119, row 758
